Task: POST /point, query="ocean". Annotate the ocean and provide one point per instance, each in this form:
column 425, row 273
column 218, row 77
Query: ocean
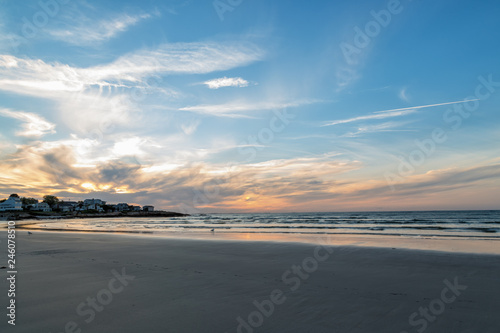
column 468, row 224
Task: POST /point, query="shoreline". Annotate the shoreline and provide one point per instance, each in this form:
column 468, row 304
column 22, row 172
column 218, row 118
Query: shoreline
column 30, row 216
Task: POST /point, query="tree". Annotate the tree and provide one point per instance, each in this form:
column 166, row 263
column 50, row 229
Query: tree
column 108, row 208
column 15, row 195
column 28, row 201
column 50, row 200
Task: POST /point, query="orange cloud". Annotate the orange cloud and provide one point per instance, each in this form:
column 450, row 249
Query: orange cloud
column 321, row 183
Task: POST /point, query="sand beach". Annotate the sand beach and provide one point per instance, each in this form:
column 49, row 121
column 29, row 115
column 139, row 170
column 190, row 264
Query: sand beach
column 93, row 282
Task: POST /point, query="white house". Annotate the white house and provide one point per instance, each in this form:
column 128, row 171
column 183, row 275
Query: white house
column 94, row 207
column 13, row 203
column 41, row 207
column 88, row 202
column 93, row 204
column 148, row 208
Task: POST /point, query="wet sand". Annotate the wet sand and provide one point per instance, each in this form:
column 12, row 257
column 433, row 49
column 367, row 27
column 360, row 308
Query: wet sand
column 88, row 282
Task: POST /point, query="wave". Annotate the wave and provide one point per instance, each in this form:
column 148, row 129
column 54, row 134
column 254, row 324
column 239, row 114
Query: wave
column 425, row 224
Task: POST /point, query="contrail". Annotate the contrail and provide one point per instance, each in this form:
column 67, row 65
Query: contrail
column 391, row 113
column 428, row 106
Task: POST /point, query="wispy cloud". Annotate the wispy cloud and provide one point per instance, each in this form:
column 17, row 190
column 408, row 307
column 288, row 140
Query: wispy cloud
column 226, row 82
column 389, row 113
column 33, row 124
column 92, row 94
column 384, row 127
column 403, row 95
column 190, row 128
column 239, row 109
column 34, row 76
column 181, row 58
column 434, row 181
column 86, row 32
column 372, row 116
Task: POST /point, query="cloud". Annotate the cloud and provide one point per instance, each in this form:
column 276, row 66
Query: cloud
column 36, row 77
column 33, row 124
column 403, row 95
column 390, row 113
column 132, row 146
column 226, row 82
column 41, row 168
column 87, row 32
column 190, row 128
column 117, row 173
column 346, row 76
column 105, row 93
column 180, row 58
column 373, row 116
column 435, row 181
column 238, row 109
column 302, row 183
column 384, row 127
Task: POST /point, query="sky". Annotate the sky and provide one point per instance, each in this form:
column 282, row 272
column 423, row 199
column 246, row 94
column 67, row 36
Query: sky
column 252, row 106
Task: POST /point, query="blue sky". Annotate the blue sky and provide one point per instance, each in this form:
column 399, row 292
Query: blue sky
column 252, row 105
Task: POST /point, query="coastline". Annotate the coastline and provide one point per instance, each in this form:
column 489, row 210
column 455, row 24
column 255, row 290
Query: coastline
column 214, row 285
column 54, row 216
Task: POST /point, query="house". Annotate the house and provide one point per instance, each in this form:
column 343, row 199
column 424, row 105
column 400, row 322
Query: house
column 97, row 207
column 89, row 202
column 134, row 208
column 41, row 207
column 67, row 206
column 148, row 208
column 93, row 204
column 122, row 207
column 94, row 207
column 13, row 203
